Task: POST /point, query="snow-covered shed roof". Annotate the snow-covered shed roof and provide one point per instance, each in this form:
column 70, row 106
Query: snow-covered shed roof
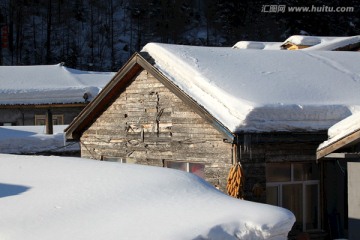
column 258, row 45
column 316, row 43
column 264, row 90
column 320, row 43
column 49, row 84
column 341, row 134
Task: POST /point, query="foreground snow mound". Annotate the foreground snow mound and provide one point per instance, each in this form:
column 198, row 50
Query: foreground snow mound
column 74, row 198
column 33, row 139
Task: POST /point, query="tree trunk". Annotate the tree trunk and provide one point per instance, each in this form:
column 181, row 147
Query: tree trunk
column 48, row 34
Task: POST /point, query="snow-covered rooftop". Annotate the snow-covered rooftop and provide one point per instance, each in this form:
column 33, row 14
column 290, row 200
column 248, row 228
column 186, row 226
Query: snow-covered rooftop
column 32, row 140
column 315, row 43
column 258, row 45
column 322, row 43
column 264, row 90
column 342, row 129
column 49, row 84
column 72, row 198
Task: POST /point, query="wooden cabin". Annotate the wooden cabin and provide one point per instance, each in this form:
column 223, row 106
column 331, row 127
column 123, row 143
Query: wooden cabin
column 203, row 109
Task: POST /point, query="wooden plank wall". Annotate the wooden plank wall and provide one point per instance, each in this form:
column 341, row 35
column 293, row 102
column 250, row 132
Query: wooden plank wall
column 257, row 149
column 26, row 116
column 148, row 124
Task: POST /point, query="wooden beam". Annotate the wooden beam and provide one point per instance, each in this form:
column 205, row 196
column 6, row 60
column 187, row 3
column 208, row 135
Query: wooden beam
column 49, row 122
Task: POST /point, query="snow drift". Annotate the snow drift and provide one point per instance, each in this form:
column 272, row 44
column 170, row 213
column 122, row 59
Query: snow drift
column 73, row 198
column 33, row 139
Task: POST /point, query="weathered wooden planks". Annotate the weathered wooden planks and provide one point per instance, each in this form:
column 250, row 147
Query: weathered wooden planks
column 148, row 124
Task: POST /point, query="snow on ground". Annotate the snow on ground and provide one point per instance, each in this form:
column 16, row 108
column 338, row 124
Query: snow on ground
column 46, row 84
column 73, row 198
column 32, row 139
column 265, row 90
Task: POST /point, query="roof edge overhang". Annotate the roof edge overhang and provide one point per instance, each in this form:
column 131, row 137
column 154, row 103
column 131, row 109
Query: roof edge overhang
column 346, row 141
column 137, row 62
column 47, row 105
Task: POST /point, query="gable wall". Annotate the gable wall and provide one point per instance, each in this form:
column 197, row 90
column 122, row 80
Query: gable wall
column 148, row 124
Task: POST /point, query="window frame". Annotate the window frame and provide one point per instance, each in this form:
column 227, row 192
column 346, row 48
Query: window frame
column 116, row 159
column 166, row 162
column 304, row 184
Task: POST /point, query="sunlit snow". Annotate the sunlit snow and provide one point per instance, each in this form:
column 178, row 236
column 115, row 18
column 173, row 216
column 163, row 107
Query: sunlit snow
column 62, row 198
column 264, row 90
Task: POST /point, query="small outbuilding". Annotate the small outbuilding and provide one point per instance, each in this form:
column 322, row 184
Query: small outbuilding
column 340, row 158
column 203, row 109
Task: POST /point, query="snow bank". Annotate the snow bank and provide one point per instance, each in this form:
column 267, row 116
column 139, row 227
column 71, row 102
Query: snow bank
column 46, row 84
column 264, row 90
column 32, row 139
column 73, row 198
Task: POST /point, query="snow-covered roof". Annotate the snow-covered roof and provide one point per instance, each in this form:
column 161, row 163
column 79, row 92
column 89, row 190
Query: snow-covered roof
column 318, row 43
column 73, row 198
column 32, row 139
column 333, row 43
column 303, row 40
column 342, row 129
column 49, row 84
column 258, row 45
column 264, row 90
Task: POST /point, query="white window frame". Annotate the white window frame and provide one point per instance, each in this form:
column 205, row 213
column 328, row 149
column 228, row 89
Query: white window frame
column 280, row 185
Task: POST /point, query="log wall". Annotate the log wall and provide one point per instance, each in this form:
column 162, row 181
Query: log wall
column 148, row 124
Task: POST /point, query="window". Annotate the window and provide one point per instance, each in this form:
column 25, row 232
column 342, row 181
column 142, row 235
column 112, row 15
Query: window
column 117, row 159
column 192, row 167
column 57, row 119
column 295, row 186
